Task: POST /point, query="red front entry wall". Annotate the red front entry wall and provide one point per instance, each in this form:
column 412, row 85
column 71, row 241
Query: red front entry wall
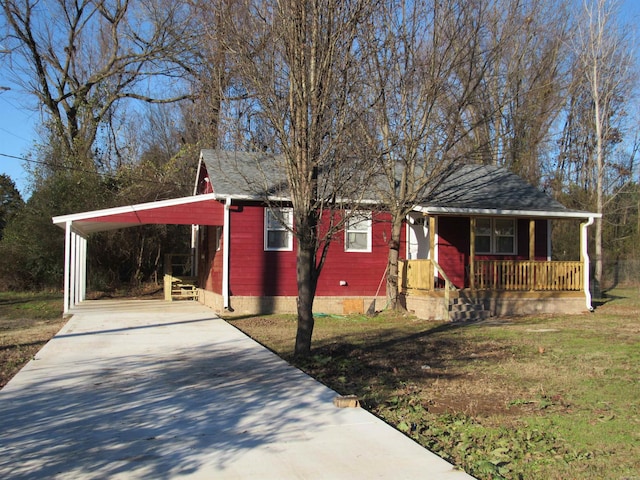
column 454, row 245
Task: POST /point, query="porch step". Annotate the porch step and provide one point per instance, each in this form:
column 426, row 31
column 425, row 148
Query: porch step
column 182, row 288
column 463, row 309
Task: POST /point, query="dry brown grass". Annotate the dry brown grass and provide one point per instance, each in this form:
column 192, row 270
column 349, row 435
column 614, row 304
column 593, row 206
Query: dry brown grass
column 529, row 397
column 27, row 322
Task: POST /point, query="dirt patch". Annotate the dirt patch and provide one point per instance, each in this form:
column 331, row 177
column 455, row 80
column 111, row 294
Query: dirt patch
column 27, row 322
column 395, row 357
column 20, row 340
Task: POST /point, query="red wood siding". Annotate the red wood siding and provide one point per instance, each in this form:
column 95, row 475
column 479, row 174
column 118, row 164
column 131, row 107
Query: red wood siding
column 203, row 185
column 453, row 248
column 210, row 267
column 255, row 272
column 362, row 271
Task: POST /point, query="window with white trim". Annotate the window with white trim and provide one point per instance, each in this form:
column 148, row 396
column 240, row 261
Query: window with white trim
column 278, row 223
column 496, row 235
column 358, row 232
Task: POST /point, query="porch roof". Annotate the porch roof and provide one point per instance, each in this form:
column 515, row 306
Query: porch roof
column 489, row 190
column 194, row 210
column 479, row 212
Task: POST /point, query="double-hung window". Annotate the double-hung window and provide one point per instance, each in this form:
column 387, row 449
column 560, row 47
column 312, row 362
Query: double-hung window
column 277, row 229
column 358, row 232
column 496, row 235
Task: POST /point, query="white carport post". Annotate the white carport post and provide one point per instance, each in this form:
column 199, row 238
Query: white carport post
column 67, row 266
column 81, row 268
column 75, row 267
column 73, row 270
column 83, row 271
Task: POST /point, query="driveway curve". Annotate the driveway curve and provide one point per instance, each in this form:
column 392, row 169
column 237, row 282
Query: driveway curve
column 151, row 389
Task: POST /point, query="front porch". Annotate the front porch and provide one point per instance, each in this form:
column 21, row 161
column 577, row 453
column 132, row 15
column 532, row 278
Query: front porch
column 453, row 282
column 500, row 288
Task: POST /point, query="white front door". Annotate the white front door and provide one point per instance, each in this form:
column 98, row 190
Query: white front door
column 417, row 237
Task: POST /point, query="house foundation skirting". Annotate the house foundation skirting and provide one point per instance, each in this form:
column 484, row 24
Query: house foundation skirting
column 427, row 307
column 500, row 304
column 240, row 305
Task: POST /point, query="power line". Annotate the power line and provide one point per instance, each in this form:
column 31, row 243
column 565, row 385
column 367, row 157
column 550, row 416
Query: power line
column 13, row 134
column 89, row 172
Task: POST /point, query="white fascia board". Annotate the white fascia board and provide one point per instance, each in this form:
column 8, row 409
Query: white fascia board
column 504, row 212
column 252, row 198
column 260, row 198
column 73, row 217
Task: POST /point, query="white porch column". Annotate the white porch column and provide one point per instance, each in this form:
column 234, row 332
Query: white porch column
column 549, row 253
column 584, row 254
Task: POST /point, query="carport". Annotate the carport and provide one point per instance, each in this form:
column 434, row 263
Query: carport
column 204, row 209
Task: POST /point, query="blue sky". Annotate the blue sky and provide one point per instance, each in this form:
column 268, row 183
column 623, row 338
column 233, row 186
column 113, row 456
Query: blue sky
column 19, row 118
column 17, row 134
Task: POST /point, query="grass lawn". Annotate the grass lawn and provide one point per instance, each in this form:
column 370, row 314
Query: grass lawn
column 551, row 397
column 27, row 322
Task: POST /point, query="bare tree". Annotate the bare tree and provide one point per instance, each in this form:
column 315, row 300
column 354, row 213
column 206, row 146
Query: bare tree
column 605, row 75
column 297, row 60
column 211, row 72
column 524, row 87
column 421, row 84
column 81, row 58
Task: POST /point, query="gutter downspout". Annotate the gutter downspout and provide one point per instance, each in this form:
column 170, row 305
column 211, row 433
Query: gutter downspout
column 225, row 254
column 585, row 261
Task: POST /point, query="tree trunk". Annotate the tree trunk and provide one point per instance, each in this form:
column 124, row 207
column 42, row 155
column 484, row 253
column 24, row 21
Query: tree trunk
column 392, row 263
column 600, row 132
column 597, row 277
column 307, row 281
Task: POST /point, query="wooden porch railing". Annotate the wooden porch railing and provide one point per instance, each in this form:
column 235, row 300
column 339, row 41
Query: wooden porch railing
column 509, row 275
column 416, row 275
column 178, row 282
column 420, row 275
column 515, row 275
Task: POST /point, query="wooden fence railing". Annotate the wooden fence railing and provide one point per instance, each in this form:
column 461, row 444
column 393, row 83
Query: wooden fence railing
column 528, row 275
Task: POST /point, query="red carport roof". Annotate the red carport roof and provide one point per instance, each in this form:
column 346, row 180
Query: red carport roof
column 194, row 210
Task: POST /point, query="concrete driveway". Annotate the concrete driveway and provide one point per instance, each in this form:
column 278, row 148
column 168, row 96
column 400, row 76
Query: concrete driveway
column 150, row 389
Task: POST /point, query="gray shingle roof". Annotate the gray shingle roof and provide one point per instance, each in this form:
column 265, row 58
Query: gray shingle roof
column 492, row 188
column 465, row 187
column 245, row 174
